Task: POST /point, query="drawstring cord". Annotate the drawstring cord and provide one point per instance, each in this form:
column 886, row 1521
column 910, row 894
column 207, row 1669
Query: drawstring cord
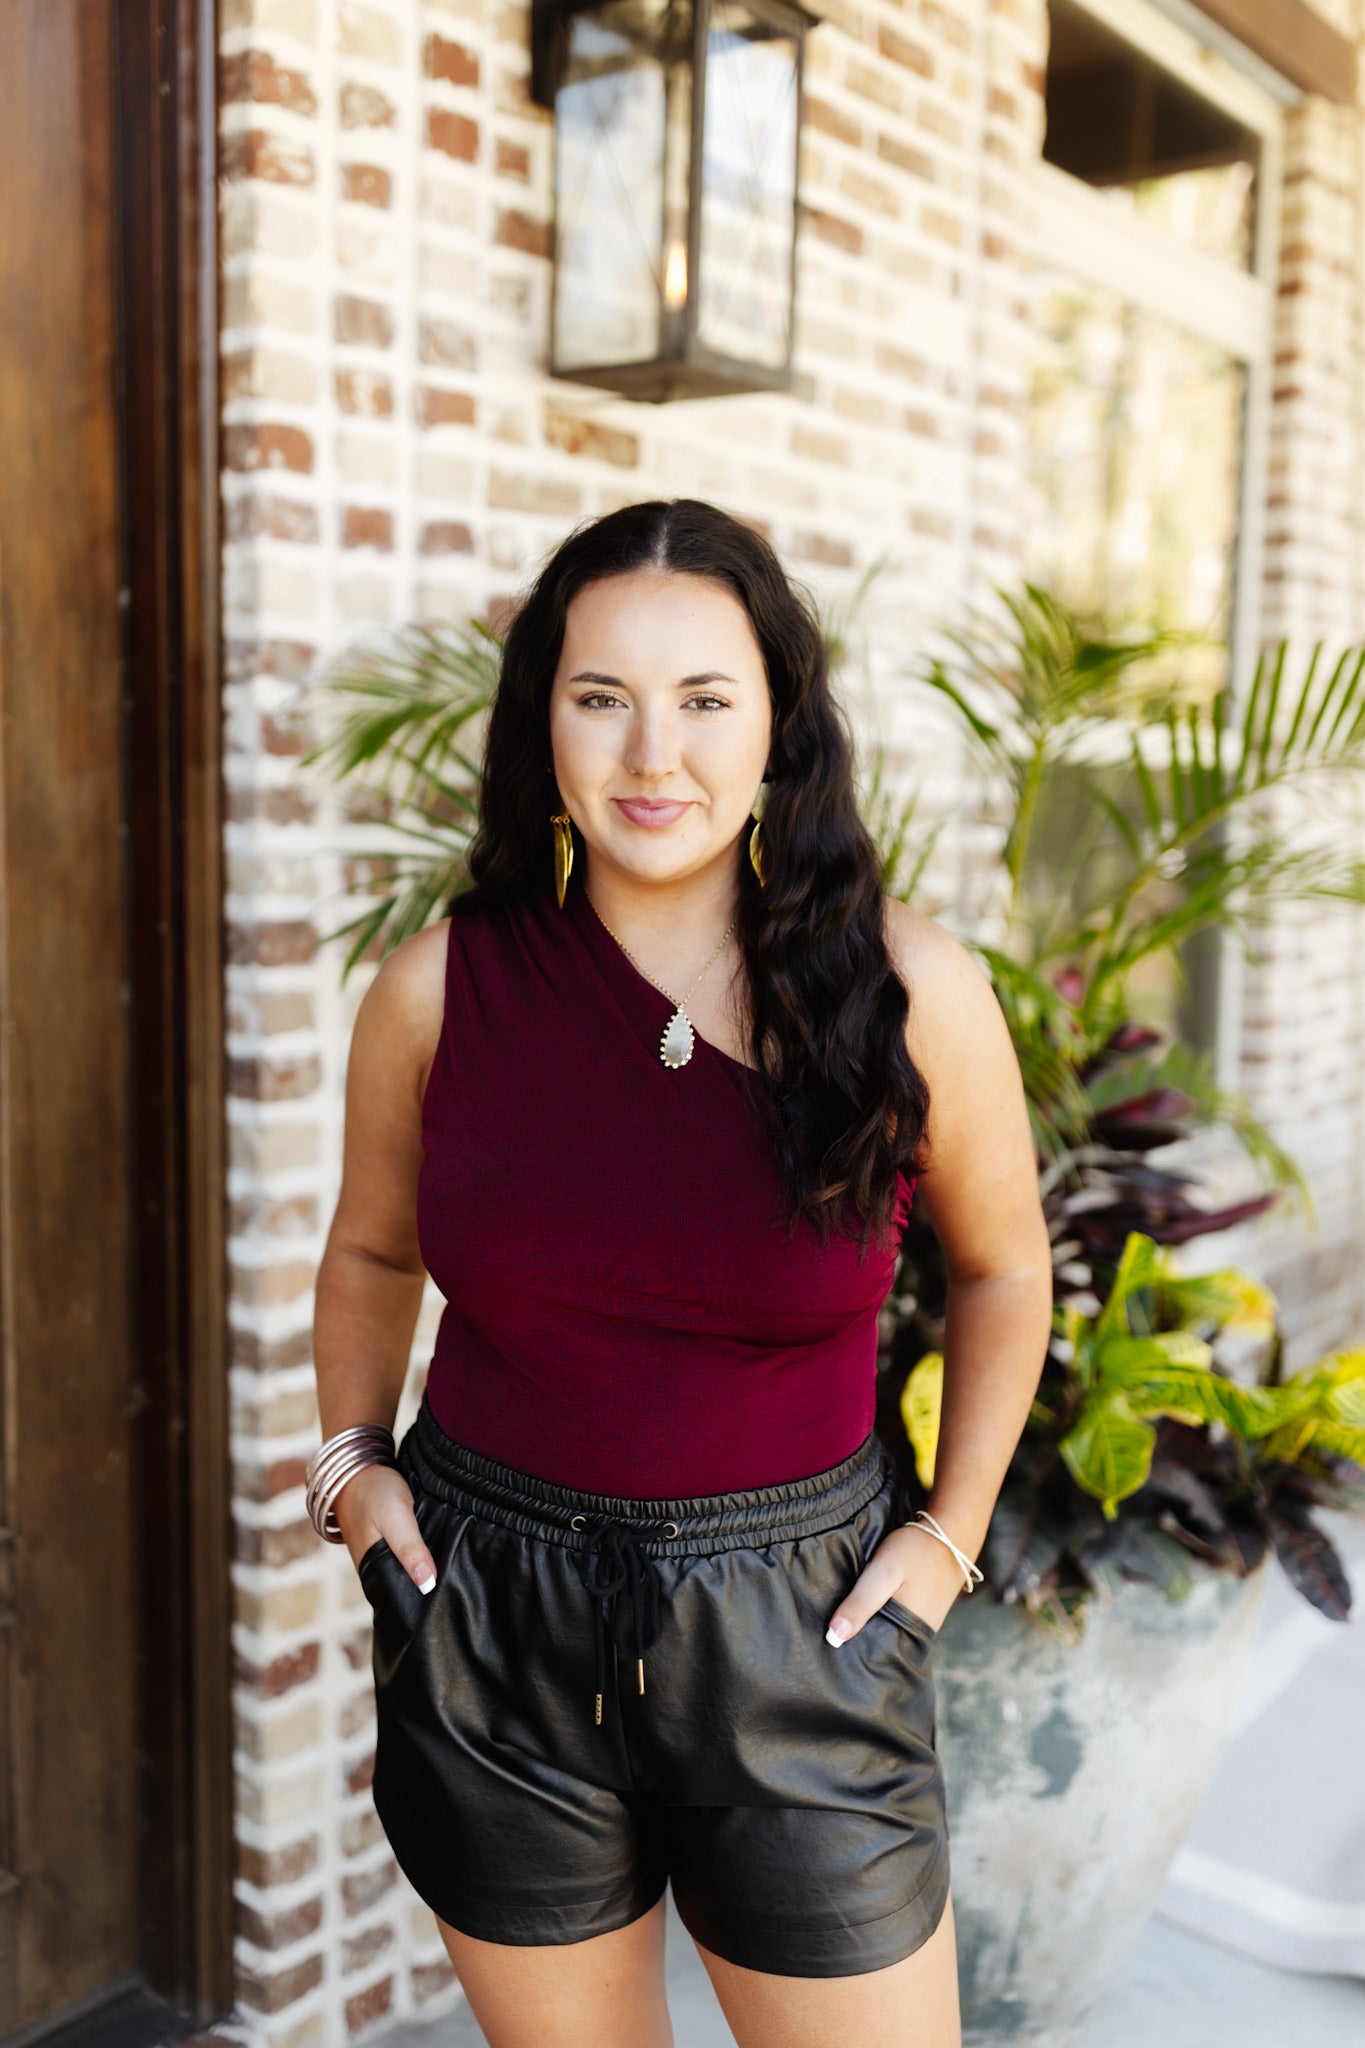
column 610, row 1559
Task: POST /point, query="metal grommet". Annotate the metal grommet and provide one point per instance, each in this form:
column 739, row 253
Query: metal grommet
column 671, row 1529
column 577, row 1521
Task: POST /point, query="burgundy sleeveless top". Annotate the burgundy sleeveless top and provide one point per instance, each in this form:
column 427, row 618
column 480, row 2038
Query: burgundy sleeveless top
column 625, row 1310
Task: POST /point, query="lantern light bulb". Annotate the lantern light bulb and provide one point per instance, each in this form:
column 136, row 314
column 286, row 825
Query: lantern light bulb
column 675, row 274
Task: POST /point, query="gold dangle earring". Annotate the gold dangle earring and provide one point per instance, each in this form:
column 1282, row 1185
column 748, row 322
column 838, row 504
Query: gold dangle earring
column 563, row 852
column 760, row 804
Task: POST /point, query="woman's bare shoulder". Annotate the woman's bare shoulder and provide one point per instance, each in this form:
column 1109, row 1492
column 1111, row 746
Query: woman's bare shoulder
column 924, row 953
column 404, row 1006
column 952, row 1003
column 980, row 1186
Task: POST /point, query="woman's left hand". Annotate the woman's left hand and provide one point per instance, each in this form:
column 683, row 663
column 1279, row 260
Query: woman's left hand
column 908, row 1565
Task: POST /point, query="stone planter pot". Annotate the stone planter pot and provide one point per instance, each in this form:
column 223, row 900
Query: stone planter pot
column 1073, row 1772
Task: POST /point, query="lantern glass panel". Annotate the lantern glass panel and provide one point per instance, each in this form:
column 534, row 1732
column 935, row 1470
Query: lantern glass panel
column 611, row 122
column 748, row 187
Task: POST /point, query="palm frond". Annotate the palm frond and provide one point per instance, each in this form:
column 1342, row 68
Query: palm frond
column 397, row 717
column 1050, row 1046
column 1223, row 889
column 891, row 816
column 838, row 617
column 400, row 708
column 1033, row 693
column 416, row 890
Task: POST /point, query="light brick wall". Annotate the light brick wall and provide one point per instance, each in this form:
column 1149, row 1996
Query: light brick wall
column 393, row 450
column 1302, row 1011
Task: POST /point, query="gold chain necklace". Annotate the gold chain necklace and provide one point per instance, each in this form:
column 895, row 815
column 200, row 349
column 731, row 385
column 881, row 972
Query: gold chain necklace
column 679, row 1040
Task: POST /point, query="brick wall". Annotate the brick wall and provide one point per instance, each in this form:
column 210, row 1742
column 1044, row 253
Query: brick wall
column 1302, row 1011
column 393, row 450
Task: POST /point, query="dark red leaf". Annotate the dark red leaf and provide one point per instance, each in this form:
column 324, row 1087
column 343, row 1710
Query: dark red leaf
column 1185, row 1490
column 1132, row 1037
column 1126, row 1136
column 1311, row 1563
column 1157, row 1105
column 1202, row 1221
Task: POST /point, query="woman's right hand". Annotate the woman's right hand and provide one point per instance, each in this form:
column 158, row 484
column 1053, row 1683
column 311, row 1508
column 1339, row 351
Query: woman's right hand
column 377, row 1501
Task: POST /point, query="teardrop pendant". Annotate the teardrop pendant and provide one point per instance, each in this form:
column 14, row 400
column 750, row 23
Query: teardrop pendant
column 675, row 1047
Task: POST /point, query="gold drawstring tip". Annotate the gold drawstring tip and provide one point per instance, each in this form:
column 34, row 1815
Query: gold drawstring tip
column 640, row 1670
column 598, row 1715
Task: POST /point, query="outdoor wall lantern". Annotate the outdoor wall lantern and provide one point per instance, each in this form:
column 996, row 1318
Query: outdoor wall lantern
column 677, row 128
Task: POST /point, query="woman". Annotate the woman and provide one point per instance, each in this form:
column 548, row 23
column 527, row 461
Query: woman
column 650, row 1106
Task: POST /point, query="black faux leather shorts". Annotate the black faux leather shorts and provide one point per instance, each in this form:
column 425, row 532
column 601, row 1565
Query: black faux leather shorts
column 602, row 1695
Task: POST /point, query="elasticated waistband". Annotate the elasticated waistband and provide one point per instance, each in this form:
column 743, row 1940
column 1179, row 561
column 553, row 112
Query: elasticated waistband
column 704, row 1522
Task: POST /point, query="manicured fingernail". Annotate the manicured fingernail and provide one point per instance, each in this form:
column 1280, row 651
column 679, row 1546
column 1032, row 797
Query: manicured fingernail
column 425, row 1585
column 838, row 1632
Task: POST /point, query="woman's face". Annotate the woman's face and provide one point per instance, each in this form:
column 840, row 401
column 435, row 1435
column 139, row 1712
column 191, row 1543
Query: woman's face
column 660, row 722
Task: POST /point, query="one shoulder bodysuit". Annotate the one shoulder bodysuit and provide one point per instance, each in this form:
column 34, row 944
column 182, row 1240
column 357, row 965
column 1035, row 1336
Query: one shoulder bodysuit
column 626, row 1310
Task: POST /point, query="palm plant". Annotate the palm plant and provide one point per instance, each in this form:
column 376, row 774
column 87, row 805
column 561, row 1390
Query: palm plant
column 399, row 723
column 1061, row 715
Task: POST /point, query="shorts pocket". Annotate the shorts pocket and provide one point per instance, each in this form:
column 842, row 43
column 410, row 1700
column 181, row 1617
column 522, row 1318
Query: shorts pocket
column 386, row 1581
column 399, row 1608
column 876, row 1521
column 900, row 1651
column 913, row 1624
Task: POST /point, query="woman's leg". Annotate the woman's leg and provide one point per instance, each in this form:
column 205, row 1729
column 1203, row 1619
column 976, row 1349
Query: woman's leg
column 606, row 1992
column 910, row 2004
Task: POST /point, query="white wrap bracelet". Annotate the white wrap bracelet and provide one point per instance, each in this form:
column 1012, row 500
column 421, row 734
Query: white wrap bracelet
column 971, row 1573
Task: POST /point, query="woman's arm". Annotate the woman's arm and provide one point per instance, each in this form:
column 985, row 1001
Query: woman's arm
column 371, row 1279
column 980, row 1189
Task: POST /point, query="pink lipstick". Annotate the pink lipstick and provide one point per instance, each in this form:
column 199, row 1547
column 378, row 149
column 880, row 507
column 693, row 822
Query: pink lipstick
column 649, row 811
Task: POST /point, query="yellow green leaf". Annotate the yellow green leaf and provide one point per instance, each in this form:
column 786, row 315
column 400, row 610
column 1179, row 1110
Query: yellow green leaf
column 1253, row 1306
column 1253, row 1411
column 1346, row 1402
column 1127, row 1360
column 1339, row 1442
column 1109, row 1451
column 1229, row 1297
column 921, row 1404
column 1139, row 1262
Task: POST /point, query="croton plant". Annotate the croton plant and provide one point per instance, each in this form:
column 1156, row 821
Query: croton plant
column 1161, row 1431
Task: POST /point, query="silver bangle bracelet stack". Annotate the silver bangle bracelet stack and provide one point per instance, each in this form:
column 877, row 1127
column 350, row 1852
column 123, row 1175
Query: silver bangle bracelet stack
column 338, row 1460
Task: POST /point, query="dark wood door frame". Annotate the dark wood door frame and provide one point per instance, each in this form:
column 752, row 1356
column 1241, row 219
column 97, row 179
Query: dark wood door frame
column 166, row 126
column 116, row 1810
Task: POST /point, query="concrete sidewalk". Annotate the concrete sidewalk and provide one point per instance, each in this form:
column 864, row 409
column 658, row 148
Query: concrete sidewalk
column 1176, row 1990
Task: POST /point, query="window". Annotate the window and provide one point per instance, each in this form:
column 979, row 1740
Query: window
column 1150, row 317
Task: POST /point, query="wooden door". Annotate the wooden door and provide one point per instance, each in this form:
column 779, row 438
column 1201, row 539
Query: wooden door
column 114, row 1805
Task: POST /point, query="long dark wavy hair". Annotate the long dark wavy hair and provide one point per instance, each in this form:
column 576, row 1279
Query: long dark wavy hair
column 828, row 1009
